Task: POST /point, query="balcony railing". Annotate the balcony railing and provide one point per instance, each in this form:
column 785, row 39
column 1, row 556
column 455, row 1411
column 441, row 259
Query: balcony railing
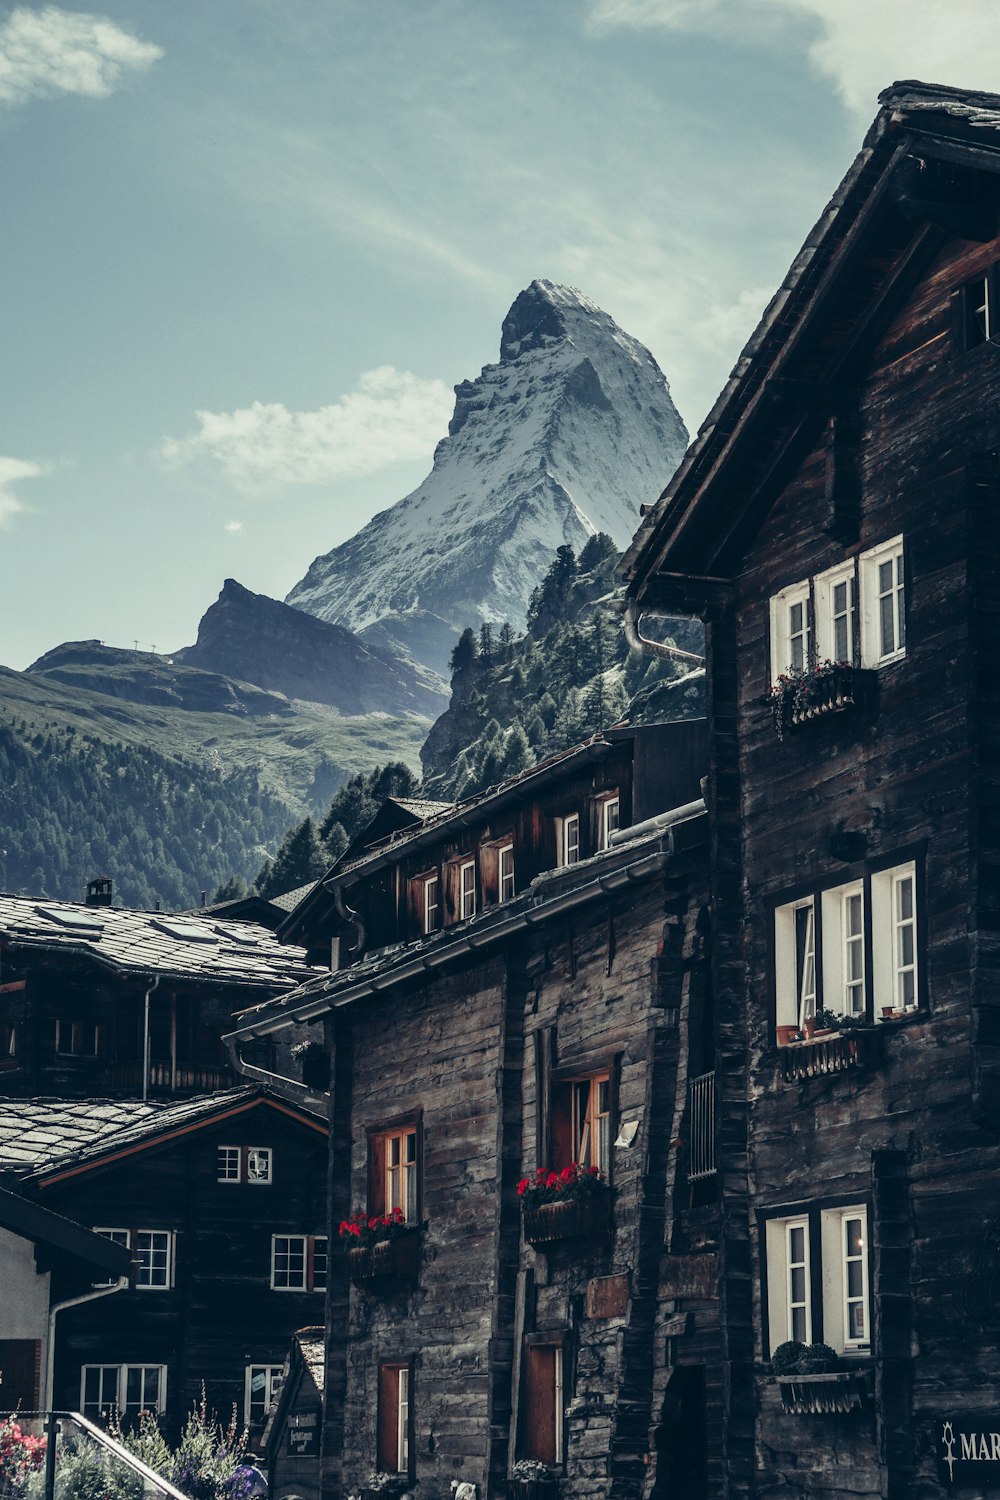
column 165, row 1079
column 701, row 1114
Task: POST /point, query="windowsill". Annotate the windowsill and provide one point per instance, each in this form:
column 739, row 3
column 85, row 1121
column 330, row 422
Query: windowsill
column 884, row 661
column 835, row 1392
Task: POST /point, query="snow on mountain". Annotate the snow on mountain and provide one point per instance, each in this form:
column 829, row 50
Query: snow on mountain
column 567, row 435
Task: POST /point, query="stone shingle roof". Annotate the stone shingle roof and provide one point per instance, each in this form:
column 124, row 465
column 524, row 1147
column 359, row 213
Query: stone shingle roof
column 200, row 949
column 289, row 900
column 312, row 1346
column 38, row 1136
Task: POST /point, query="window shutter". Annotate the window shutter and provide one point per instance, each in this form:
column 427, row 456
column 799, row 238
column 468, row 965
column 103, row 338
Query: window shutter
column 560, row 1127
column 540, row 1402
column 388, row 1414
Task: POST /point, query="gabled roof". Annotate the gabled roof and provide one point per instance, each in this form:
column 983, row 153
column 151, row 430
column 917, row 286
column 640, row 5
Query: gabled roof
column 29, row 1221
column 48, row 1139
column 901, row 188
column 196, row 949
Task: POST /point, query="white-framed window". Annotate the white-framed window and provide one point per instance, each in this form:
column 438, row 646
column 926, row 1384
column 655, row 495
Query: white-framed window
column 883, row 604
column 153, row 1251
column 260, row 1391
column 791, row 639
column 843, row 911
column 895, row 950
column 76, row 1038
column 817, row 1278
column 876, row 914
column 430, row 888
column 298, row 1262
column 403, row 1421
column 592, row 1122
column 119, row 1237
column 395, row 1418
column 505, row 872
column 610, row 816
column 835, row 605
column 980, row 314
column 250, row 1164
column 795, row 962
column 125, row 1389
column 568, row 832
column 467, row 889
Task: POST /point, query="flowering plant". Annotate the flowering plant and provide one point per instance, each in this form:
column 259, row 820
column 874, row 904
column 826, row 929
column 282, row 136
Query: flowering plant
column 571, row 1185
column 793, row 692
column 382, row 1483
column 362, row 1229
column 530, row 1469
column 20, row 1453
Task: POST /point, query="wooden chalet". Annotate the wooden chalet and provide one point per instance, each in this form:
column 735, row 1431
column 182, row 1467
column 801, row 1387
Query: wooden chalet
column 294, row 1428
column 521, row 986
column 220, row 1202
column 836, row 523
column 97, row 1000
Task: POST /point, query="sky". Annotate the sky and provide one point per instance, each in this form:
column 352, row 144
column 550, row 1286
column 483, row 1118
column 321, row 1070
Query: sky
column 249, row 246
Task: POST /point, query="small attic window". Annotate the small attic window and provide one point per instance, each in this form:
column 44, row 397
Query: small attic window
column 979, row 309
column 188, row 932
column 64, row 917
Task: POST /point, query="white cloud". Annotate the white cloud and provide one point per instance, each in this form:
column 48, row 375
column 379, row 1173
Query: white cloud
column 12, row 470
column 234, row 526
column 860, row 45
column 52, row 51
column 393, row 416
column 729, row 326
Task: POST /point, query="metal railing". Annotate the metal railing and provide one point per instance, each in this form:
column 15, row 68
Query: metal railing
column 61, row 1455
column 701, row 1127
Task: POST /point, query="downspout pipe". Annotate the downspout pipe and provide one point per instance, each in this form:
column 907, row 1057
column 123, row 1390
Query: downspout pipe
column 145, row 1039
column 54, row 1310
column 632, row 620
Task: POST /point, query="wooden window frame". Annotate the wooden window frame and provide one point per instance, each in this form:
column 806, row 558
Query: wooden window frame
column 311, row 1244
column 76, row 1029
column 378, row 1142
column 562, row 1143
column 390, row 1435
column 243, row 1165
column 430, row 912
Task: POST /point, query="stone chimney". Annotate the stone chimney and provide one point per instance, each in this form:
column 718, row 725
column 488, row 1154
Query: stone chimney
column 99, row 891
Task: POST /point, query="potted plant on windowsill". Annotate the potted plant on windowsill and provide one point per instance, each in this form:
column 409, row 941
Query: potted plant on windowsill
column 380, row 1247
column 381, row 1486
column 572, row 1204
column 531, row 1480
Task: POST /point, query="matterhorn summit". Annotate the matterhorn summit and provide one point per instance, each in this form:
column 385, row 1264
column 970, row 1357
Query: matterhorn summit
column 566, row 436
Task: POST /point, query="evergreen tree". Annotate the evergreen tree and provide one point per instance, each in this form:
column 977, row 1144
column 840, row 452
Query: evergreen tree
column 233, row 889
column 486, row 645
column 299, row 859
column 465, row 652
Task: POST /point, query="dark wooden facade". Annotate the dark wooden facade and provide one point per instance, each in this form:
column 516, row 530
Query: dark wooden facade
column 218, row 1316
column 515, row 1336
column 867, row 411
column 77, row 983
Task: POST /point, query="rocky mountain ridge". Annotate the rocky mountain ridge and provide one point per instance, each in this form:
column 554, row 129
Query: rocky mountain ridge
column 563, row 438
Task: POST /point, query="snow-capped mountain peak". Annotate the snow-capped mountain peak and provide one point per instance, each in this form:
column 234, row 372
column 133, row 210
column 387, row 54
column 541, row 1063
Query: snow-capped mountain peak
column 565, row 436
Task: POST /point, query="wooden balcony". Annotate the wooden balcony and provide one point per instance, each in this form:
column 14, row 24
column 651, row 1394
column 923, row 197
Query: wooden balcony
column 386, row 1264
column 830, row 1052
column 583, row 1219
column 836, row 1392
column 126, row 1078
column 817, row 695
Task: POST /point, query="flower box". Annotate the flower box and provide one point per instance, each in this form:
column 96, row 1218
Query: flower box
column 553, row 1223
column 835, row 1392
column 832, row 1052
column 396, row 1260
column 533, row 1489
column 826, row 689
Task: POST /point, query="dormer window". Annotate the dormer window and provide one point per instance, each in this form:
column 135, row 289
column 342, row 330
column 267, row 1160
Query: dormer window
column 505, row 872
column 467, row 889
column 569, row 839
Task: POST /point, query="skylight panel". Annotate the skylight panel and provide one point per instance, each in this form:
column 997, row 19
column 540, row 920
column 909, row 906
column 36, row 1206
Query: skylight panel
column 67, row 917
column 245, row 939
column 188, row 932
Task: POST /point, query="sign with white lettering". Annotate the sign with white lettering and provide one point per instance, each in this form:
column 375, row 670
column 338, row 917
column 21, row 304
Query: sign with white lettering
column 303, row 1434
column 968, row 1450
